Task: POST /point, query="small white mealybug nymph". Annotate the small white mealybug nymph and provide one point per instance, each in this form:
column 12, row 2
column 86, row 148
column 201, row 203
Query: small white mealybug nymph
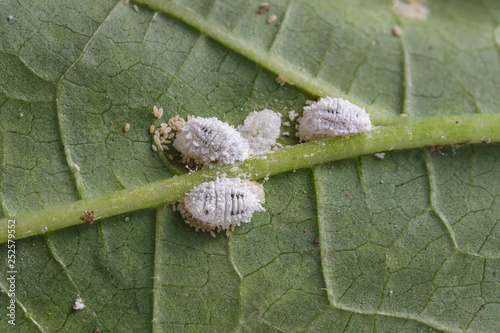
column 331, row 117
column 221, row 204
column 78, row 304
column 209, row 141
column 261, row 129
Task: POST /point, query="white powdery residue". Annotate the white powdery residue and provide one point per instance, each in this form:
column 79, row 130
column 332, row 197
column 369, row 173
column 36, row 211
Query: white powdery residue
column 380, row 155
column 78, row 304
column 330, row 117
column 261, row 129
column 292, row 115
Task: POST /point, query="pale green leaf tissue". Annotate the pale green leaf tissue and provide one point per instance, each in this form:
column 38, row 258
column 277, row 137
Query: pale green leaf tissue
column 349, row 242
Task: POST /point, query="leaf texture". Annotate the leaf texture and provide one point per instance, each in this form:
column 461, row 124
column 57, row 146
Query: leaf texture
column 406, row 243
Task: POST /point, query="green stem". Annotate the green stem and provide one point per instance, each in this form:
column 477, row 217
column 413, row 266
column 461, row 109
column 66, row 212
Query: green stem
column 405, row 133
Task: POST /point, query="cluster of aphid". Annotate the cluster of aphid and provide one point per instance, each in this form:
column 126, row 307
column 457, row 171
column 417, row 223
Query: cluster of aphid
column 226, row 202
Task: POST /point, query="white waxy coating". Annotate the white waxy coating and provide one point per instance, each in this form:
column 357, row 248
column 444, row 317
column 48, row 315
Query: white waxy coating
column 224, row 202
column 209, row 141
column 261, row 129
column 79, row 304
column 330, row 117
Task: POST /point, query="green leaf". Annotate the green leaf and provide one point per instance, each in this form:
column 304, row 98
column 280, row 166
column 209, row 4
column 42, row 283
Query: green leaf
column 348, row 241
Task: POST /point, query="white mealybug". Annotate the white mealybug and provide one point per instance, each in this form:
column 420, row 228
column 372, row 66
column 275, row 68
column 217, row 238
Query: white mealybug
column 221, row 204
column 79, row 304
column 261, row 129
column 209, row 141
column 331, row 117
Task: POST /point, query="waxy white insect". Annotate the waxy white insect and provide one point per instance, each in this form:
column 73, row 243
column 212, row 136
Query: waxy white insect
column 209, row 141
column 221, row 204
column 78, row 304
column 261, row 129
column 330, row 117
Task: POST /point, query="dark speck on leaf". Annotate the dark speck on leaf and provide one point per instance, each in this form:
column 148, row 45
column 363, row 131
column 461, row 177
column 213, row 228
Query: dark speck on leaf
column 263, row 8
column 88, row 217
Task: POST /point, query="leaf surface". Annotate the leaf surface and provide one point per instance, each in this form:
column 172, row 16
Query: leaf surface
column 408, row 243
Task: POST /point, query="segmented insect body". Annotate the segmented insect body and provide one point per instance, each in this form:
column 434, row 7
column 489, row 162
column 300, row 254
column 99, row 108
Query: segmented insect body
column 261, row 129
column 209, row 141
column 331, row 117
column 221, row 204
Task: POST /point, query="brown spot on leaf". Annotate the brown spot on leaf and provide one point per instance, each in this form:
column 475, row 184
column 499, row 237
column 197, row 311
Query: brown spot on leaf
column 263, row 8
column 88, row 217
column 440, row 146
